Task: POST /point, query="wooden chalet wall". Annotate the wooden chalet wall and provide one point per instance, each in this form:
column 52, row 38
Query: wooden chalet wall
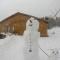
column 43, row 27
column 17, row 24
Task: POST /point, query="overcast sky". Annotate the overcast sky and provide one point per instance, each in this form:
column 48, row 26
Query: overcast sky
column 36, row 8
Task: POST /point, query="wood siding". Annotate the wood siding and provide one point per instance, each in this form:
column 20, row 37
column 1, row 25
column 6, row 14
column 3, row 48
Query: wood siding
column 43, row 27
column 17, row 24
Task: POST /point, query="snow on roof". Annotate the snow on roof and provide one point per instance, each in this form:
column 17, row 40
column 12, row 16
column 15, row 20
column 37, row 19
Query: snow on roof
column 18, row 13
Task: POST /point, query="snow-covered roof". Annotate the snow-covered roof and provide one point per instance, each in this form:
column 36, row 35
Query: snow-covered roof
column 18, row 13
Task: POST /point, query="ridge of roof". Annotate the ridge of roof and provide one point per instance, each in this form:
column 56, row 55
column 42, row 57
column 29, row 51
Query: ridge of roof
column 18, row 13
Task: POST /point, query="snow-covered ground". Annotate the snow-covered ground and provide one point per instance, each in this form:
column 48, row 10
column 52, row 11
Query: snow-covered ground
column 52, row 42
column 11, row 48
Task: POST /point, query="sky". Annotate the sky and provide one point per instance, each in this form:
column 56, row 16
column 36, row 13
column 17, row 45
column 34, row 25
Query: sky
column 38, row 8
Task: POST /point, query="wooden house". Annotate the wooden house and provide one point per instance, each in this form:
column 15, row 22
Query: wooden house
column 16, row 24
